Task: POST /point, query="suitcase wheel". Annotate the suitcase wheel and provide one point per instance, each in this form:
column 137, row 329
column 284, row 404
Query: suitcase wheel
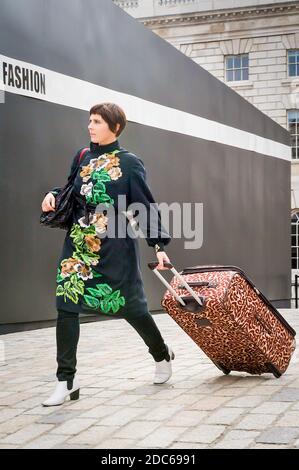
column 222, row 368
column 271, row 368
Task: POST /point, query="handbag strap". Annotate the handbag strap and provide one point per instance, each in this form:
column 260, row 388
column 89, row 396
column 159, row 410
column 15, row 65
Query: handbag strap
column 82, row 153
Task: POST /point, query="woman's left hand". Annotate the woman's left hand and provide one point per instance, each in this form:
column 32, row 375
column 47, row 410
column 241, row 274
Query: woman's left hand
column 162, row 258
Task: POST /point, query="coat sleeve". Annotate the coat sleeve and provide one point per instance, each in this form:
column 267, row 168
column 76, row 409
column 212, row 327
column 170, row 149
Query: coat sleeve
column 72, row 168
column 139, row 191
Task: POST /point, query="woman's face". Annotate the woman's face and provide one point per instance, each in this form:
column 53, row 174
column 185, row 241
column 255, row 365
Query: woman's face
column 99, row 130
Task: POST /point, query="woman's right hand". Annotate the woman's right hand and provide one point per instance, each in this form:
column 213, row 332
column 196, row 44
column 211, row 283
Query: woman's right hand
column 48, row 203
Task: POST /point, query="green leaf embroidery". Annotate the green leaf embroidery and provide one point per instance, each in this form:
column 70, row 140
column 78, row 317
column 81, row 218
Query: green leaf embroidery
column 73, row 296
column 115, row 295
column 59, row 290
column 59, row 278
column 99, row 188
column 94, row 292
column 105, row 289
column 104, row 304
column 95, row 274
column 91, row 301
column 100, row 176
column 78, row 284
column 114, row 306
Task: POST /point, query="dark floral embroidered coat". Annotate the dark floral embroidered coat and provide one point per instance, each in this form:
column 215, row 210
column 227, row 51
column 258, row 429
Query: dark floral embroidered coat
column 99, row 272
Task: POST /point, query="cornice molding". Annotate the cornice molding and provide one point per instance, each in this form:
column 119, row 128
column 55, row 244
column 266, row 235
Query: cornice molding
column 229, row 14
column 126, row 3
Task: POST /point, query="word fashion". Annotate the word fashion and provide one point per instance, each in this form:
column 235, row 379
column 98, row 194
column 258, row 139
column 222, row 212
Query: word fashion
column 23, row 78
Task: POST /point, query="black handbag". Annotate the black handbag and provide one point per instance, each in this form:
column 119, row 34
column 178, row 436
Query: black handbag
column 64, row 204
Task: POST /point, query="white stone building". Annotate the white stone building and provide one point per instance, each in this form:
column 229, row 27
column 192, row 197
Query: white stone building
column 252, row 46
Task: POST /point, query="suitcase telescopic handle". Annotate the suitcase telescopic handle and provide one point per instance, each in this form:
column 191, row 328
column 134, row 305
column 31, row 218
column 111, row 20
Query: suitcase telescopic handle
column 153, row 267
column 199, row 284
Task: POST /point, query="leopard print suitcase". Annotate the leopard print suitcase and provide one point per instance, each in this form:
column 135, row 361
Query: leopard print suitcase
column 229, row 318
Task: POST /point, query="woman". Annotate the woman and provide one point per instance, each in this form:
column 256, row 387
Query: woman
column 99, row 271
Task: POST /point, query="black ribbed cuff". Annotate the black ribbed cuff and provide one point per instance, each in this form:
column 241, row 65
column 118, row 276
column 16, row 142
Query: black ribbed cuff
column 159, row 247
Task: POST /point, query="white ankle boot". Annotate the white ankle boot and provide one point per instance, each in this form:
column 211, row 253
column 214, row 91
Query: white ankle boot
column 164, row 369
column 61, row 392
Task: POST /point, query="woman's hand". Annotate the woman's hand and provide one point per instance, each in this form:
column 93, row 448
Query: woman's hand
column 162, row 258
column 48, row 203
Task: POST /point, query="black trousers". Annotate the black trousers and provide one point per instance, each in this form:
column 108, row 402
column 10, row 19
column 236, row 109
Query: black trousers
column 67, row 337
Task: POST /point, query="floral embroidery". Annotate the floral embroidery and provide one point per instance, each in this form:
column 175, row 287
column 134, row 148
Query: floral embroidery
column 87, row 242
column 100, row 170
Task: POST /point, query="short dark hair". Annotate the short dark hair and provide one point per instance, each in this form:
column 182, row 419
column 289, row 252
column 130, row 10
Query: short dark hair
column 112, row 114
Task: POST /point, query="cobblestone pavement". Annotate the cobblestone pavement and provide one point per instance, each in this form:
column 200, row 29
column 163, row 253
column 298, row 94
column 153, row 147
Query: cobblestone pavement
column 119, row 407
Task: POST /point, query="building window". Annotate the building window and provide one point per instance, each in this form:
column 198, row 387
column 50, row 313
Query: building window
column 293, row 62
column 295, row 239
column 236, row 67
column 293, row 126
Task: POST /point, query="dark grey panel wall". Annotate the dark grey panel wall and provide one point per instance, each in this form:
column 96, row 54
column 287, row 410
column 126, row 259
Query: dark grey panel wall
column 246, row 196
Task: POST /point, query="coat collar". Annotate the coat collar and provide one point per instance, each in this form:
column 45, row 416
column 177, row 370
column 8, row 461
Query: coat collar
column 99, row 148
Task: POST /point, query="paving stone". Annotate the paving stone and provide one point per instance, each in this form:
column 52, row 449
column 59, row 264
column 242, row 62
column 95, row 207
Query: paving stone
column 18, row 422
column 256, row 421
column 8, row 446
column 187, row 445
column 146, row 402
column 234, row 444
column 245, row 402
column 9, row 413
column 162, row 413
column 144, row 389
column 224, row 416
column 162, row 437
column 278, row 435
column 187, row 418
column 287, row 394
column 122, row 417
column 43, row 410
column 85, row 403
column 93, row 436
column 32, row 385
column 117, row 444
column 187, row 399
column 15, row 399
column 239, row 434
column 74, row 426
column 204, row 433
column 30, row 402
column 134, row 387
column 72, row 446
column 60, row 417
column 267, row 390
column 209, row 403
column 229, row 392
column 123, row 400
column 100, row 411
column 89, row 391
column 270, row 446
column 290, row 418
column 46, row 442
column 108, row 393
column 270, row 407
column 27, row 433
column 137, row 429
